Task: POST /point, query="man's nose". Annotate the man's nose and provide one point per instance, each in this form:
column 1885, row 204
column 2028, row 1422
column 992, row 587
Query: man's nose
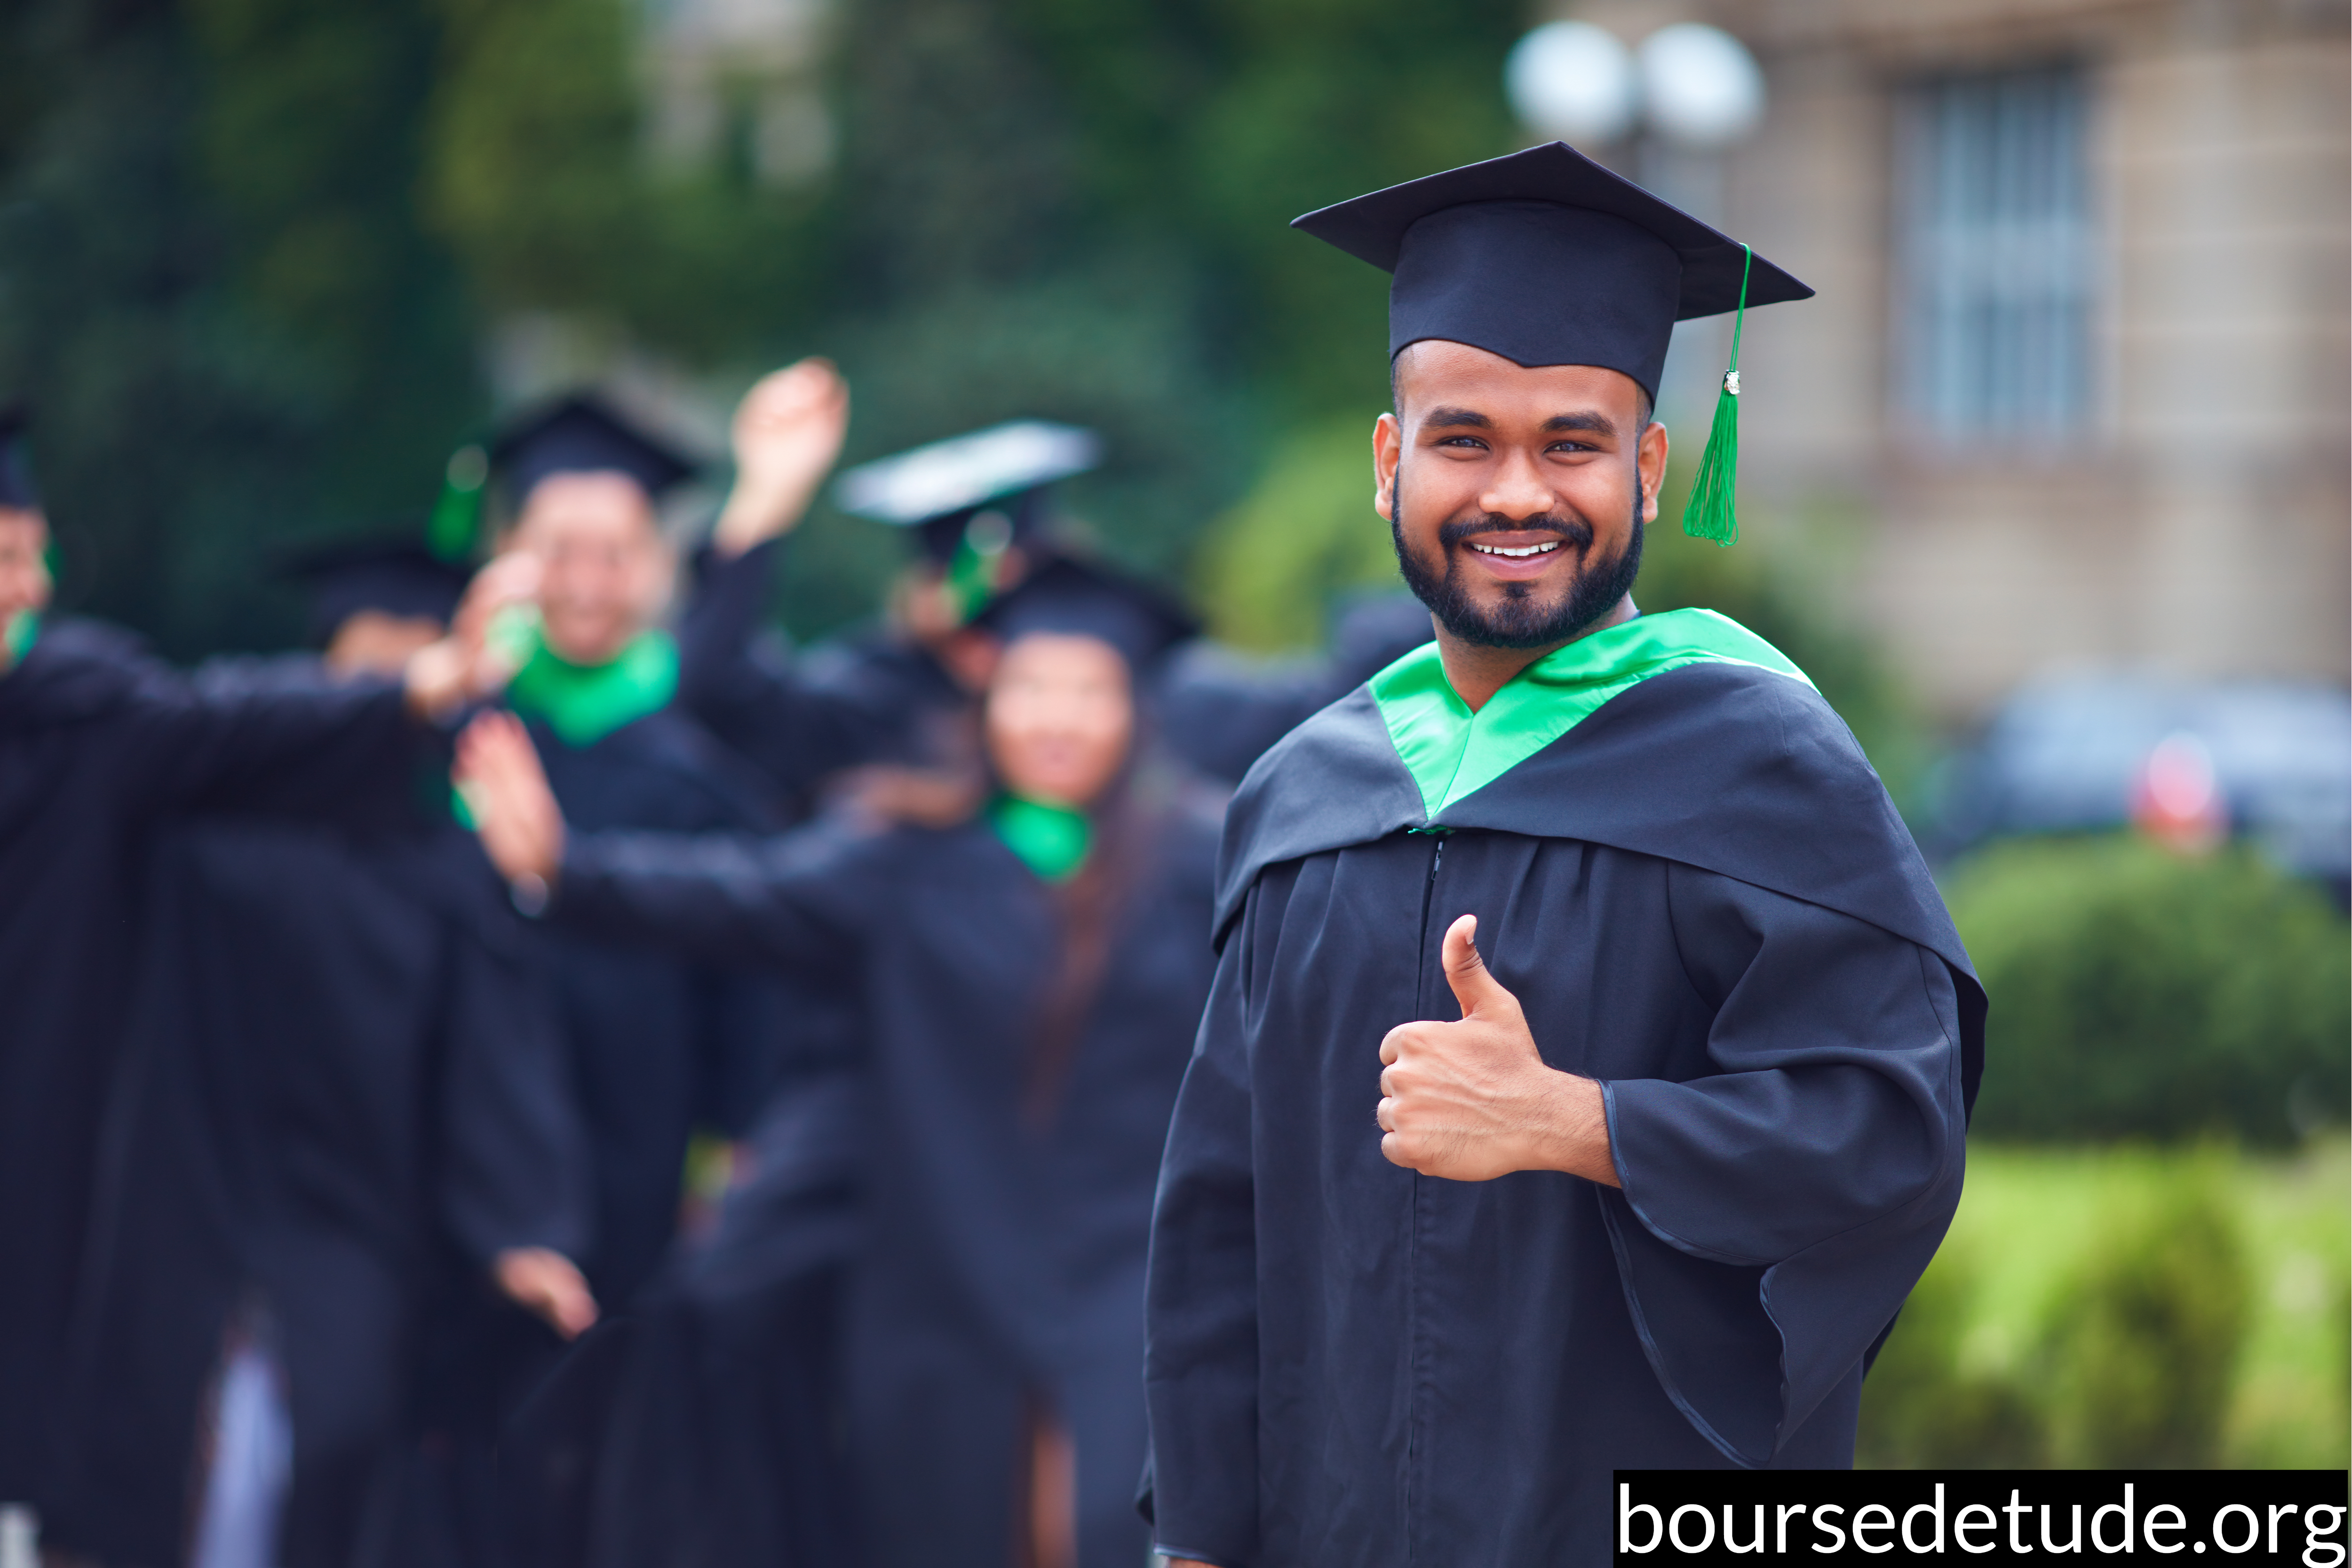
column 1516, row 491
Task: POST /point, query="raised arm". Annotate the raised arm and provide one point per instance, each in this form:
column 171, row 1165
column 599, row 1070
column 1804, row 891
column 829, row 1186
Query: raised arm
column 286, row 735
column 789, row 902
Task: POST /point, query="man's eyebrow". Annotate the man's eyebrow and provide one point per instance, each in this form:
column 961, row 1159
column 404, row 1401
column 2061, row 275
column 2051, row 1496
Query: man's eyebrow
column 1590, row 421
column 1457, row 418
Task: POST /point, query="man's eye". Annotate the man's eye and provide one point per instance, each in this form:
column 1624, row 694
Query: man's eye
column 1469, row 443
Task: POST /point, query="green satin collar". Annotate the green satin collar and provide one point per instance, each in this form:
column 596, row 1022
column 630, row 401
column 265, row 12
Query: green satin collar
column 1051, row 840
column 23, row 630
column 585, row 703
column 1452, row 752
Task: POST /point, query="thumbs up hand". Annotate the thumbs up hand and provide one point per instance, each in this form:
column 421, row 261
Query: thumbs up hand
column 1472, row 1100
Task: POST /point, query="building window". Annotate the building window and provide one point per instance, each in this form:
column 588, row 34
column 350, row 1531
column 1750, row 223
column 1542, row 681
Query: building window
column 1996, row 254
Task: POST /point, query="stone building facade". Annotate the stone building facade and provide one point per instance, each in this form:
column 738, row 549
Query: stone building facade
column 2080, row 370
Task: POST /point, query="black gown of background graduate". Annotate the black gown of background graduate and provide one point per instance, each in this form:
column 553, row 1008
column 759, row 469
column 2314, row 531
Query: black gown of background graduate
column 96, row 741
column 1691, row 878
column 1028, row 998
column 660, row 1043
column 999, row 1260
column 344, row 1078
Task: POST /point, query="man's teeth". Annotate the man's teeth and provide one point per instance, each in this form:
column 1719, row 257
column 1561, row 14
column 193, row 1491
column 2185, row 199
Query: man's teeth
column 1516, row 552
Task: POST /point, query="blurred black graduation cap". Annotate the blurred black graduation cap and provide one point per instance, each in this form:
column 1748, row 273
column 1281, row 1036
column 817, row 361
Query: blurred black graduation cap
column 17, row 490
column 1081, row 598
column 1546, row 258
column 580, row 434
column 394, row 575
column 990, row 481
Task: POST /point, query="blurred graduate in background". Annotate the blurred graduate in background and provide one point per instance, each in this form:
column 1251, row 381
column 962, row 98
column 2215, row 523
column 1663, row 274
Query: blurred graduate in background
column 659, row 1045
column 98, row 742
column 1032, row 973
column 343, row 1101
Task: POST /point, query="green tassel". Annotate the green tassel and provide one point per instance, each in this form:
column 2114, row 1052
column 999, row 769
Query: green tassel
column 1712, row 511
column 457, row 518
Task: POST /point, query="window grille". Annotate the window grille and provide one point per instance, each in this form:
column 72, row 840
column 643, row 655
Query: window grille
column 1996, row 254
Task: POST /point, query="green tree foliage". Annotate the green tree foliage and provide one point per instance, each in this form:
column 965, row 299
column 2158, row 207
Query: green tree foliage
column 1305, row 534
column 212, row 289
column 2140, row 994
column 538, row 172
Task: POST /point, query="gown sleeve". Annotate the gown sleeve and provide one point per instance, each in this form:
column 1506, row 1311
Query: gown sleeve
column 515, row 1163
column 1775, row 1212
column 797, row 901
column 1200, row 1371
column 756, row 697
column 278, row 736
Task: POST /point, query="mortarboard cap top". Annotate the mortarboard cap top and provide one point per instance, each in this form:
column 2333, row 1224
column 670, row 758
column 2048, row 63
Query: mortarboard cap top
column 966, row 471
column 395, row 575
column 1079, row 598
column 580, row 434
column 1546, row 258
column 17, row 491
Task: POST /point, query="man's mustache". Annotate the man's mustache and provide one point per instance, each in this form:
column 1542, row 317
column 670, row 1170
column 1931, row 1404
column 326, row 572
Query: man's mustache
column 1574, row 530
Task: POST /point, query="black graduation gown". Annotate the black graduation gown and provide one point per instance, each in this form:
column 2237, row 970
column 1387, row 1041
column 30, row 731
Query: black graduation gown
column 725, row 1446
column 660, row 1045
column 95, row 740
column 802, row 718
column 1702, row 897
column 343, row 1065
column 998, row 1262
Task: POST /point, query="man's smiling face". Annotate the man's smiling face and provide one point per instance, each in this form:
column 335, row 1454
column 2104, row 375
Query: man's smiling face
column 1523, row 493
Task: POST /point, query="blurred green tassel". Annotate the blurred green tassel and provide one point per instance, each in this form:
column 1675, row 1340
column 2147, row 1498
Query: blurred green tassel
column 457, row 518
column 1711, row 513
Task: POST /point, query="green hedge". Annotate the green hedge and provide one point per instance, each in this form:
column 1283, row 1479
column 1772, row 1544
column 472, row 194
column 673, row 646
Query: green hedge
column 2136, row 992
column 2133, row 1364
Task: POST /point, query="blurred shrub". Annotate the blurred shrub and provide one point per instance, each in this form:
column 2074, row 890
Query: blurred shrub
column 1923, row 1407
column 2133, row 1361
column 2136, row 993
column 2145, row 1345
column 1307, row 533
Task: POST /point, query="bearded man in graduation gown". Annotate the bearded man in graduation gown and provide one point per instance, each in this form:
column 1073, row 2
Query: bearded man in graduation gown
column 97, row 740
column 343, row 1078
column 1585, row 1077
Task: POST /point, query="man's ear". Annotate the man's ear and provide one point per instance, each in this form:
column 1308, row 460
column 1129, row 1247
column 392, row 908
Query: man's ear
column 1388, row 448
column 1650, row 467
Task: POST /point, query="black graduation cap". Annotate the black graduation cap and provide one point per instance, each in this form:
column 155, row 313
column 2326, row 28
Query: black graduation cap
column 397, row 576
column 1546, row 258
column 992, row 479
column 580, row 435
column 17, row 488
column 1079, row 598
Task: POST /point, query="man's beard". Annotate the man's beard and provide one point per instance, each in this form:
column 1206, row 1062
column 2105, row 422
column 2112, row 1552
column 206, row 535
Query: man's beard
column 1520, row 620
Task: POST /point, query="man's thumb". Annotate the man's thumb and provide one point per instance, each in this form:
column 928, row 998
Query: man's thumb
column 1474, row 986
